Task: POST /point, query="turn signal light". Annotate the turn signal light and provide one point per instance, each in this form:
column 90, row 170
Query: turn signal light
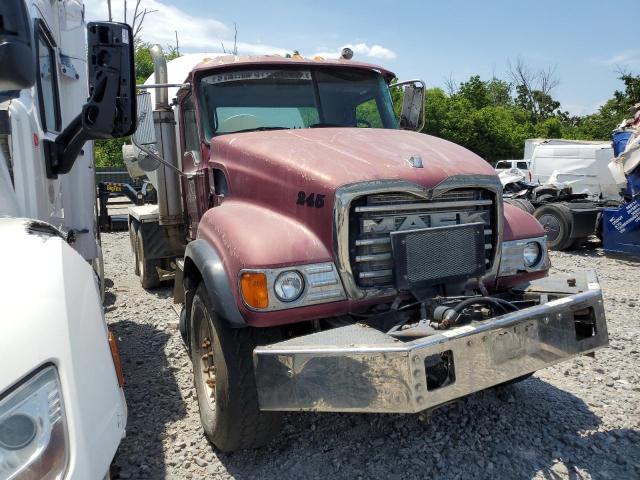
column 115, row 355
column 254, row 289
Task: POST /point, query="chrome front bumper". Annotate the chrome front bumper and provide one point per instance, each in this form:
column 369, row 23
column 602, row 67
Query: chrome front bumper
column 359, row 369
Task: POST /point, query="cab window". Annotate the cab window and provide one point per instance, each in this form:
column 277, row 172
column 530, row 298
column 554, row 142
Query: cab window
column 191, row 139
column 48, row 96
column 522, row 165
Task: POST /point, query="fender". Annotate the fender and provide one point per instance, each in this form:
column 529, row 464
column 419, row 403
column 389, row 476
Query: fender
column 241, row 235
column 519, row 224
column 53, row 311
column 203, row 262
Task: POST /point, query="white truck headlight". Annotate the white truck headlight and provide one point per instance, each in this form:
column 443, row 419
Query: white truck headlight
column 33, row 428
column 531, row 254
column 289, row 286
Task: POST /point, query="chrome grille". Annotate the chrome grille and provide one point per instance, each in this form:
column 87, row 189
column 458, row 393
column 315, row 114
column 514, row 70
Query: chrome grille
column 374, row 217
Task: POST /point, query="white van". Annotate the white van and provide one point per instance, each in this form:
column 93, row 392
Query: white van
column 582, row 165
column 506, row 165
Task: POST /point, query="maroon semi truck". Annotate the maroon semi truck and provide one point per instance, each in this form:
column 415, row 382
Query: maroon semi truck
column 329, row 258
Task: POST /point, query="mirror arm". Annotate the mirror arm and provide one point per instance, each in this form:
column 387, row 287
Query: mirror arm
column 409, row 82
column 61, row 154
column 163, row 85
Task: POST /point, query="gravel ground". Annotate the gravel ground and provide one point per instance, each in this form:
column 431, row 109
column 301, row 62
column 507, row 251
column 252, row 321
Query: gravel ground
column 580, row 419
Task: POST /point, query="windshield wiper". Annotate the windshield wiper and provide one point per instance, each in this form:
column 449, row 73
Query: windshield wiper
column 325, row 125
column 260, row 129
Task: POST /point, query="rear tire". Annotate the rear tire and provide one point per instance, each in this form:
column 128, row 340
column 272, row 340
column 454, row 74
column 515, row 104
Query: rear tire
column 557, row 221
column 225, row 381
column 147, row 269
column 133, row 239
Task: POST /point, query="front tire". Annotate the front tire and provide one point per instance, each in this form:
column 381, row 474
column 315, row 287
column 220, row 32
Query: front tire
column 224, row 379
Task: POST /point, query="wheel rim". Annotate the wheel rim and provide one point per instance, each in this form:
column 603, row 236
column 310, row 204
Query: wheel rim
column 206, row 365
column 551, row 225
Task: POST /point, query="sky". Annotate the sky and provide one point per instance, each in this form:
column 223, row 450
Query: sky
column 586, row 41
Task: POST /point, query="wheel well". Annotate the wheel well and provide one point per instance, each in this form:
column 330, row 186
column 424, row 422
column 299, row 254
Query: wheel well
column 191, row 279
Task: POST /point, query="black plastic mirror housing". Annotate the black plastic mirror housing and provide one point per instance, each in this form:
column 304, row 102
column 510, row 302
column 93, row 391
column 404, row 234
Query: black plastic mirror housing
column 17, row 55
column 111, row 109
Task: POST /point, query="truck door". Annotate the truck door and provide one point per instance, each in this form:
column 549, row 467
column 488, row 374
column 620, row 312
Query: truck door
column 195, row 184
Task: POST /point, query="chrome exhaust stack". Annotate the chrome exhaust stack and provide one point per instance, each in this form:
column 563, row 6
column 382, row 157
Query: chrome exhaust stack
column 161, row 76
column 168, row 181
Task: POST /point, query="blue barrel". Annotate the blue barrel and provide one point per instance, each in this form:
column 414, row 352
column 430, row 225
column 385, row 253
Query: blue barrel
column 620, row 139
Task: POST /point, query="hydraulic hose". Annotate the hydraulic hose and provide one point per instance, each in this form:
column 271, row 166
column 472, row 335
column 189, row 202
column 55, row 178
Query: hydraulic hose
column 502, row 305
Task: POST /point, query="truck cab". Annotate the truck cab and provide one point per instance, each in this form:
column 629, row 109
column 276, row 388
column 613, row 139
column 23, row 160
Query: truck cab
column 329, row 258
column 62, row 406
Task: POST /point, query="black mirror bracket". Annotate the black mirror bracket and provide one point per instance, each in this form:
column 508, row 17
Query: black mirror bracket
column 61, row 154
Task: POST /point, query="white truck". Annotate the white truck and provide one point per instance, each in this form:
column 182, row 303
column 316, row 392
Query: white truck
column 62, row 407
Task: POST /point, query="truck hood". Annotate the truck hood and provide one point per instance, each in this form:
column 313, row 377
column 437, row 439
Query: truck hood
column 293, row 175
column 326, row 158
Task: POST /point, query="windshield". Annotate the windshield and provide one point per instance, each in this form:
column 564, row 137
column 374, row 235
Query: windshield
column 264, row 99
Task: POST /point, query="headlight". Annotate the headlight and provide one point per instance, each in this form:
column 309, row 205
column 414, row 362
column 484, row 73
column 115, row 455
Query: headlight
column 33, row 429
column 531, row 254
column 288, row 286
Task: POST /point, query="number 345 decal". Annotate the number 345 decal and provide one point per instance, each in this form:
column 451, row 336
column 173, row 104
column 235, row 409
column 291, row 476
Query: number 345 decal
column 311, row 200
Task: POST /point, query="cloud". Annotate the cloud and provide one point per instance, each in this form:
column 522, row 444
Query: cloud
column 194, row 33
column 362, row 49
column 629, row 58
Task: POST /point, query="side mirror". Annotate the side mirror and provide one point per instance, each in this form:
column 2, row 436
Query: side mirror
column 17, row 55
column 144, row 138
column 412, row 113
column 111, row 109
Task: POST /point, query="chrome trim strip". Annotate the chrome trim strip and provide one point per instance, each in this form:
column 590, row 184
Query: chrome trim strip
column 374, row 257
column 376, row 274
column 348, row 193
column 373, row 241
column 422, row 206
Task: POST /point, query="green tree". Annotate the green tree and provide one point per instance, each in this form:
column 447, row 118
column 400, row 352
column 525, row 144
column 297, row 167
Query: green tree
column 599, row 125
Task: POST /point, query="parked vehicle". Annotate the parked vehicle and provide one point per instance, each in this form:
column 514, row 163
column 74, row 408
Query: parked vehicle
column 621, row 224
column 568, row 219
column 62, row 407
column 328, row 260
column 119, row 194
column 508, row 165
column 582, row 165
